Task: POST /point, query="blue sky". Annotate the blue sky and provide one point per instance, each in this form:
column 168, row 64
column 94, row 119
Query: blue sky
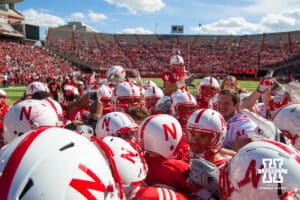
column 156, row 16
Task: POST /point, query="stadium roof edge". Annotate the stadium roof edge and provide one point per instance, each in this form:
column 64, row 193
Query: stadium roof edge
column 10, row 1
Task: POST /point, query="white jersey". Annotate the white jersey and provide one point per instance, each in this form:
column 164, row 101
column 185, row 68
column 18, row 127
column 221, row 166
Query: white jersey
column 239, row 126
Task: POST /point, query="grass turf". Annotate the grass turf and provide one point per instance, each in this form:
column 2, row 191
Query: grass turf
column 15, row 93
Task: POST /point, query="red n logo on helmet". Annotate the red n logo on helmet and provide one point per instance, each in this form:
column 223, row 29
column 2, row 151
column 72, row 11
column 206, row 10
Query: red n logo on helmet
column 251, row 175
column 169, row 130
column 105, row 123
column 83, row 186
column 128, row 155
column 223, row 122
column 25, row 112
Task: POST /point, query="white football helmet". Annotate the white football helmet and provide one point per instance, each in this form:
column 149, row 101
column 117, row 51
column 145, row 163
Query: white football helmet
column 3, row 96
column 130, row 162
column 116, row 74
column 148, row 84
column 152, row 95
column 105, row 95
column 55, row 163
column 183, row 105
column 70, row 91
column 161, row 134
column 28, row 115
column 208, row 87
column 2, row 93
column 126, row 95
column 261, row 170
column 213, row 102
column 287, row 120
column 36, row 86
column 57, row 108
column 207, row 121
column 176, row 59
column 117, row 124
column 177, row 65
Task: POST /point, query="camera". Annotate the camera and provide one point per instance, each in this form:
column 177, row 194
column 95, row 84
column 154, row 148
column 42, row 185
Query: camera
column 93, row 96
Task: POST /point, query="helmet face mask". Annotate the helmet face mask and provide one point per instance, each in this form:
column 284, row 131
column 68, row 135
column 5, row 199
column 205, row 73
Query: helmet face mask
column 127, row 95
column 177, row 68
column 152, row 95
column 183, row 105
column 127, row 133
column 183, row 111
column 177, row 65
column 104, row 93
column 208, row 87
column 128, row 102
column 210, row 125
column 208, row 91
column 116, row 124
column 150, row 102
column 107, row 105
column 199, row 140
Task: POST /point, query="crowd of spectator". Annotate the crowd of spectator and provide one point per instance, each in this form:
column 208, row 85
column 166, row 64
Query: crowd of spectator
column 22, row 63
column 215, row 55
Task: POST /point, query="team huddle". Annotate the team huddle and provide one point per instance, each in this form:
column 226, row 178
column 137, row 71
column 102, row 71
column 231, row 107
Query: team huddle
column 117, row 138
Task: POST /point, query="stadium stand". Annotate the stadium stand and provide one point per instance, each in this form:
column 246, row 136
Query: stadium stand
column 243, row 56
column 77, row 46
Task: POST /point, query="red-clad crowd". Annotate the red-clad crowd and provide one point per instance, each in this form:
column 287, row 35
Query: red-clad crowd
column 219, row 55
column 22, row 64
column 120, row 139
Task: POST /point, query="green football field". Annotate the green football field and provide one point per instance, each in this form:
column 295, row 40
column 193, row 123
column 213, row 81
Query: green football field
column 14, row 93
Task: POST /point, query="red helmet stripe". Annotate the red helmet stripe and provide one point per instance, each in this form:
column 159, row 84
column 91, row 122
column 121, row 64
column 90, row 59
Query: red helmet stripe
column 153, row 90
column 285, row 148
column 14, row 161
column 145, row 124
column 199, row 115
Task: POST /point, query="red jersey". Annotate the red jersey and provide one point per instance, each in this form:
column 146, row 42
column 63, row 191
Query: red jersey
column 3, row 111
column 157, row 193
column 54, row 87
column 171, row 77
column 172, row 173
column 81, row 114
column 202, row 102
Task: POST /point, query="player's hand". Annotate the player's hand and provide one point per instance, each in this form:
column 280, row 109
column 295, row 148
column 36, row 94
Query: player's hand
column 189, row 80
column 265, row 83
column 204, row 174
column 164, row 107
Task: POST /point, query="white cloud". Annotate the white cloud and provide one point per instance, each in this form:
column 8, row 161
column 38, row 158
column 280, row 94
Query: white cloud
column 232, row 26
column 96, row 17
column 77, row 16
column 285, row 21
column 139, row 5
column 288, row 21
column 138, row 30
column 265, row 7
column 90, row 16
column 42, row 19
